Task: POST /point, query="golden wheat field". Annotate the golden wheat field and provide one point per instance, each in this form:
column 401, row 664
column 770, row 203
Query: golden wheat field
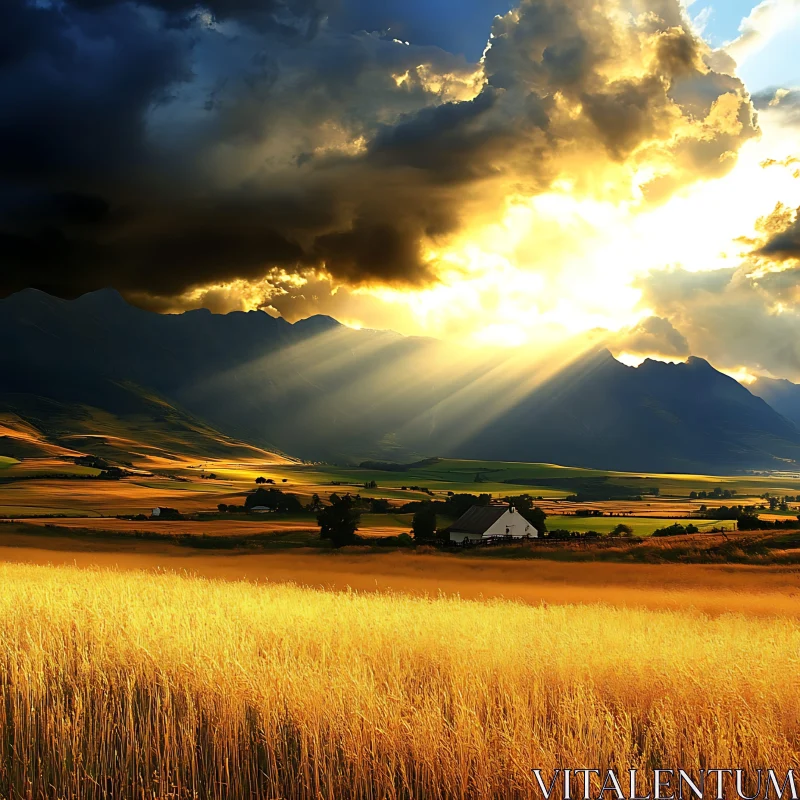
column 143, row 685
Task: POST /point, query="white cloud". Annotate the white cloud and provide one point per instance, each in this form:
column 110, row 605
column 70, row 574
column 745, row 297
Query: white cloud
column 768, row 19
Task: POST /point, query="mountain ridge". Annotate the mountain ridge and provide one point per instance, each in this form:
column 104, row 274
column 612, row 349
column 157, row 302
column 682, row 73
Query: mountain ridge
column 319, row 390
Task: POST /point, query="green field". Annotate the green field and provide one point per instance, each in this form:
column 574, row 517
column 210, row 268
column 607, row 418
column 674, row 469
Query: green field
column 642, row 526
column 7, row 461
column 504, row 477
column 30, row 469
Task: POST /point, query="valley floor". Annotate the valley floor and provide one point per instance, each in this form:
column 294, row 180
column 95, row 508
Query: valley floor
column 227, row 656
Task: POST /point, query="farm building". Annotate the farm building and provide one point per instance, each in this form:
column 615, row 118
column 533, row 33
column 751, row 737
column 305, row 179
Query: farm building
column 162, row 512
column 490, row 522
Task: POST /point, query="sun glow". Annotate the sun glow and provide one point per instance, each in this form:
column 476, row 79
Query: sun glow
column 637, row 359
column 560, row 264
column 554, row 266
column 742, row 375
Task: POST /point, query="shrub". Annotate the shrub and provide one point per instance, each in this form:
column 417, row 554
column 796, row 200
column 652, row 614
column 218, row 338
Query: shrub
column 622, row 530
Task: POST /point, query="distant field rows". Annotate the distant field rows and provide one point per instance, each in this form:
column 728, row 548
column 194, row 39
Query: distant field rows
column 187, row 486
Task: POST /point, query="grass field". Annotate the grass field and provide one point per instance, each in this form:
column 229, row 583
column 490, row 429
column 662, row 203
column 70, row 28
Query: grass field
column 47, row 467
column 499, row 476
column 161, row 686
column 642, row 526
column 752, row 566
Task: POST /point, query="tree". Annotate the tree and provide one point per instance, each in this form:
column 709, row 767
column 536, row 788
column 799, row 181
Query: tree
column 622, row 530
column 339, row 521
column 222, row 507
column 673, row 530
column 537, row 517
column 524, row 505
column 316, row 503
column 273, row 499
column 261, row 480
column 522, row 502
column 379, row 505
column 424, row 523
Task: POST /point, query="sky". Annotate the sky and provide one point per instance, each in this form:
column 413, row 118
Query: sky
column 506, row 174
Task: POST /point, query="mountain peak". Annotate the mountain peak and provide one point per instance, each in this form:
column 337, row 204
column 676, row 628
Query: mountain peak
column 699, row 363
column 106, row 296
column 30, row 294
column 318, row 323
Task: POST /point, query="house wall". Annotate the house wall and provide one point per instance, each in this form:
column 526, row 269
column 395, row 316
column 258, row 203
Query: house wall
column 517, row 526
column 512, row 523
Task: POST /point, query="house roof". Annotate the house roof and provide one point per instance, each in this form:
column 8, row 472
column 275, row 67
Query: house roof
column 478, row 519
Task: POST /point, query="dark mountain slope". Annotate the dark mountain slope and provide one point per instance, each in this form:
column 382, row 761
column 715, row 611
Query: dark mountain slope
column 316, row 389
column 321, row 391
column 782, row 395
column 143, row 428
column 601, row 413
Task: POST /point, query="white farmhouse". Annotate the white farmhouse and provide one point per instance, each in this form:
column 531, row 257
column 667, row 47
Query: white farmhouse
column 490, row 522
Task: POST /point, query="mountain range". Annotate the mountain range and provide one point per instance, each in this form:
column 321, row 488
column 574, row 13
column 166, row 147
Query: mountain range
column 98, row 375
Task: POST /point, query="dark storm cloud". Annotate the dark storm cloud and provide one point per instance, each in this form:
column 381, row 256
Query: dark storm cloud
column 783, row 244
column 75, row 88
column 291, row 17
column 143, row 146
column 423, row 22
